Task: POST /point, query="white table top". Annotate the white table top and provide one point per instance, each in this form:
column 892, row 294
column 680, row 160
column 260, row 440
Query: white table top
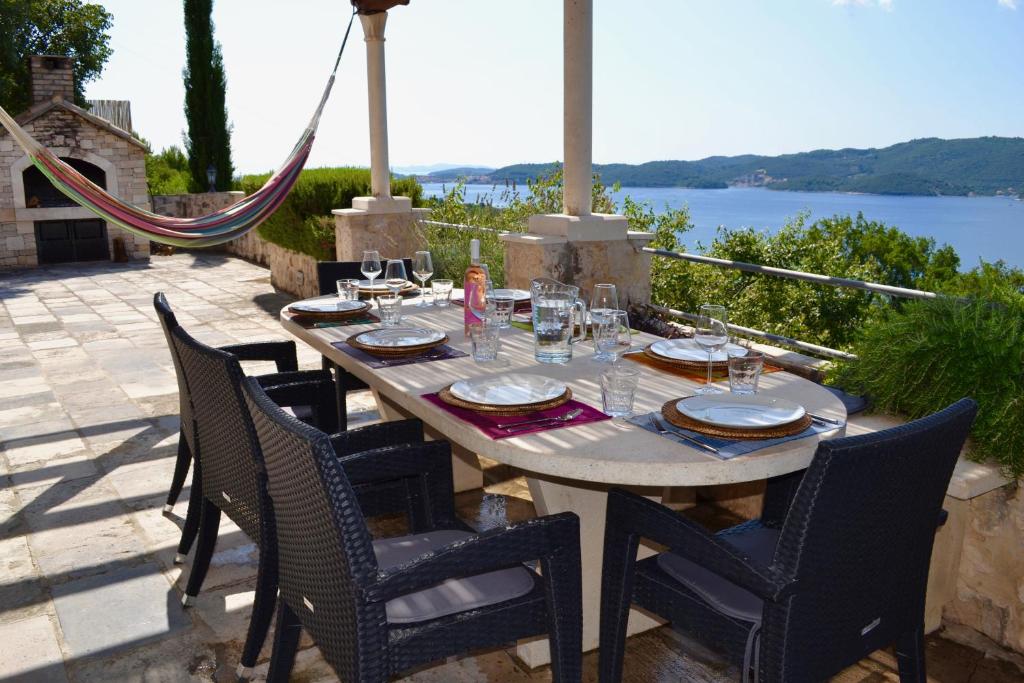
column 602, row 452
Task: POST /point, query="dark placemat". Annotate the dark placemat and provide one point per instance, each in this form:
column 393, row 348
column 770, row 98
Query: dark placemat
column 311, row 323
column 488, row 424
column 443, row 352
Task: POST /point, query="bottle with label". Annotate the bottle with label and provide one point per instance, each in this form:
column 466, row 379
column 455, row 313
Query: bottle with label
column 474, row 287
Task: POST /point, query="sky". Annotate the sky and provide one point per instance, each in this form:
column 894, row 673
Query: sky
column 480, row 81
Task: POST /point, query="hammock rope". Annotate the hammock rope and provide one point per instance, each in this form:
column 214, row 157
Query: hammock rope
column 203, row 231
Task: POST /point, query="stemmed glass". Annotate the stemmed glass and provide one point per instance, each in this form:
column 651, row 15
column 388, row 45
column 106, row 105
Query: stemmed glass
column 605, row 299
column 612, row 336
column 394, row 276
column 423, row 269
column 370, row 268
column 711, row 333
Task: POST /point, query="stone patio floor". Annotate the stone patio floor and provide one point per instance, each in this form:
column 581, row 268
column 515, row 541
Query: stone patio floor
column 88, row 434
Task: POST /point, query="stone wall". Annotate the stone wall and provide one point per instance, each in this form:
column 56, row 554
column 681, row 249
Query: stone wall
column 290, row 271
column 193, row 205
column 394, row 235
column 989, row 593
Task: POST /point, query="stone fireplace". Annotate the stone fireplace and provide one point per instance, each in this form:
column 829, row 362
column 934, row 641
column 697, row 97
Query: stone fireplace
column 38, row 224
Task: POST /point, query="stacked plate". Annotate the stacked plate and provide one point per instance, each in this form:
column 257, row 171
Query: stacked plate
column 380, row 288
column 511, row 394
column 687, row 352
column 329, row 309
column 398, row 341
column 740, row 417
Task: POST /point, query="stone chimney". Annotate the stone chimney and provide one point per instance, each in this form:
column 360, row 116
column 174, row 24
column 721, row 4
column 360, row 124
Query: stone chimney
column 51, row 78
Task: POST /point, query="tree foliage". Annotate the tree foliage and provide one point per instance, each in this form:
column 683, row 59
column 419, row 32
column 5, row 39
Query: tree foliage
column 208, row 139
column 167, row 171
column 57, row 27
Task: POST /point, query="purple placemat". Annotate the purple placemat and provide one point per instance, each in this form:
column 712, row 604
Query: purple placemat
column 488, row 424
column 442, row 352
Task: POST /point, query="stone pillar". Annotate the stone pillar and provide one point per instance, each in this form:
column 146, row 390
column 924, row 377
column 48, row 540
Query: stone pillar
column 376, row 89
column 578, row 77
column 577, row 246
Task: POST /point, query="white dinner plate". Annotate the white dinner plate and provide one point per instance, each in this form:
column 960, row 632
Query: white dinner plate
column 689, row 350
column 326, row 306
column 400, row 337
column 507, row 390
column 516, row 294
column 751, row 412
column 379, row 286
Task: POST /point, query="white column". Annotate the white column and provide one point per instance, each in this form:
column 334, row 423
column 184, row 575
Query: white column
column 578, row 75
column 376, row 88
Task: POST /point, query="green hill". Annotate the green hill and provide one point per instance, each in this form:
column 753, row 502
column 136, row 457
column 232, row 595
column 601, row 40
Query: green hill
column 929, row 166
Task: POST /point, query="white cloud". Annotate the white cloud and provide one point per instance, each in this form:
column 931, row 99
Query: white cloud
column 885, row 5
column 1008, row 4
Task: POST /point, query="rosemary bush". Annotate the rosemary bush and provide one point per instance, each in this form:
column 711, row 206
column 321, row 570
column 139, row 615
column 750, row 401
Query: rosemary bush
column 924, row 355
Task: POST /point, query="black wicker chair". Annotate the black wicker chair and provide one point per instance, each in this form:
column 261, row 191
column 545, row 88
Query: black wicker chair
column 836, row 568
column 283, row 354
column 328, row 273
column 377, row 608
column 229, row 468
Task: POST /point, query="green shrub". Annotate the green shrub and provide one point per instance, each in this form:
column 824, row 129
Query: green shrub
column 303, row 222
column 920, row 357
column 167, row 172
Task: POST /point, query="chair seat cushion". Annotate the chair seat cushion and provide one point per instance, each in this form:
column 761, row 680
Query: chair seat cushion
column 453, row 595
column 724, row 595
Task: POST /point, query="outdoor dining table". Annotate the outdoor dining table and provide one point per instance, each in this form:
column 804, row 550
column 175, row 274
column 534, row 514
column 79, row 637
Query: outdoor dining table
column 572, row 468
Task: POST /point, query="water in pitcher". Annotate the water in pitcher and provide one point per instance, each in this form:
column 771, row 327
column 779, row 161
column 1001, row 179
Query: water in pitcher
column 555, row 307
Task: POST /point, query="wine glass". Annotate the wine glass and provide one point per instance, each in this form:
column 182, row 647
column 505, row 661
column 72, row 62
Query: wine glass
column 394, row 275
column 605, row 298
column 423, row 269
column 370, row 268
column 612, row 335
column 711, row 333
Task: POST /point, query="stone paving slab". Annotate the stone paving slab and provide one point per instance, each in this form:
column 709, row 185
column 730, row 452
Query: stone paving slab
column 118, row 610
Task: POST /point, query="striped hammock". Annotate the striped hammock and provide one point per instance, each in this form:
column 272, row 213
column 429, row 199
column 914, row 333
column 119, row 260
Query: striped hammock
column 216, row 228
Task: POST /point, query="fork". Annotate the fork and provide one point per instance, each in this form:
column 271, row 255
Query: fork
column 659, row 425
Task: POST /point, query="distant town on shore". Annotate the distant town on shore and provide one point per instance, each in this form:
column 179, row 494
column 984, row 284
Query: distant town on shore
column 928, row 166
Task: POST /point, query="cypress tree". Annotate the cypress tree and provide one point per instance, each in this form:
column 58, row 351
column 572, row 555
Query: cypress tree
column 208, row 140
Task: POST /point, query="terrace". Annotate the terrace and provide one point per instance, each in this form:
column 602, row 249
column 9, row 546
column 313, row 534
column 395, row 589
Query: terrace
column 89, row 424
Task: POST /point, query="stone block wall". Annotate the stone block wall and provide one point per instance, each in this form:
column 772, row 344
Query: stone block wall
column 290, row 271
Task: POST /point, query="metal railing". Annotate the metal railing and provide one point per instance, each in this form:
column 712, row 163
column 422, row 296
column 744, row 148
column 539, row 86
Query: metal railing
column 463, row 226
column 797, row 275
column 814, row 278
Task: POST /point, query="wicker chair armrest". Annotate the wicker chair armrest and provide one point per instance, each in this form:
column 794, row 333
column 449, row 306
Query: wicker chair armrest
column 549, row 538
column 293, row 376
column 635, row 515
column 377, row 436
column 316, row 390
column 399, row 461
column 281, row 352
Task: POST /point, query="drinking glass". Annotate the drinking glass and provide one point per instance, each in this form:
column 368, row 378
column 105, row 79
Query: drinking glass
column 442, row 292
column 711, row 333
column 390, row 308
column 423, row 269
column 618, row 389
column 612, row 336
column 744, row 370
column 605, row 298
column 499, row 310
column 486, row 341
column 394, row 276
column 370, row 268
column 348, row 290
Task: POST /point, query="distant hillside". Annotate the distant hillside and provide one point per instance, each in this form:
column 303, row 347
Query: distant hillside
column 928, row 166
column 456, row 173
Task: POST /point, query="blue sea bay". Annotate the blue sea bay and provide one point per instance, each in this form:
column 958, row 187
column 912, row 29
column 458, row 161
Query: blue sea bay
column 988, row 228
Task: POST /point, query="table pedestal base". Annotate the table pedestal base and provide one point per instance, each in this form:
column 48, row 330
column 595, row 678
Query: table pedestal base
column 589, row 503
